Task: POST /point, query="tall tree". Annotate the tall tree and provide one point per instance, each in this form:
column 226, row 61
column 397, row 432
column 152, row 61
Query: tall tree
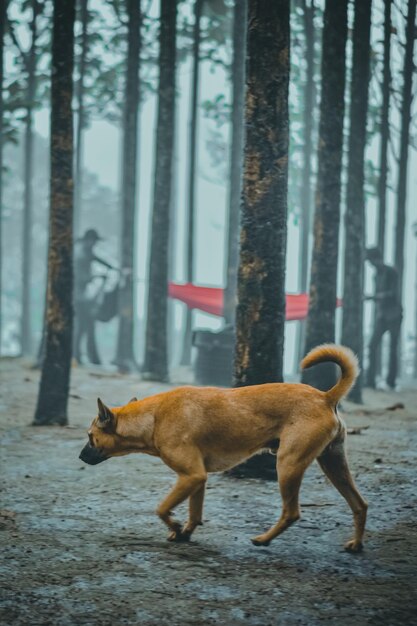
column 81, row 113
column 29, row 59
column 192, row 169
column 55, row 377
column 384, row 142
column 125, row 358
column 385, row 128
column 406, row 101
column 306, row 183
column 236, row 158
column 352, row 326
column 156, row 349
column 321, row 315
column 3, row 13
column 260, row 316
column 415, row 310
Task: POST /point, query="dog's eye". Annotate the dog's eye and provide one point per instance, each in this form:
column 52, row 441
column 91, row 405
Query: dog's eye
column 91, row 440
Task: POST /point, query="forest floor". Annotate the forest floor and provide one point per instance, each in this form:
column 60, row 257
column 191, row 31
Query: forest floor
column 82, row 545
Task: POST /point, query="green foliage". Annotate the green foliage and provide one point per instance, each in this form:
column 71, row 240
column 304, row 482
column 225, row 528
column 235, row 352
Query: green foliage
column 19, row 18
column 218, row 110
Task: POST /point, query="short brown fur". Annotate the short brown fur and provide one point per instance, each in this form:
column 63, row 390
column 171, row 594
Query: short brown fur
column 200, row 430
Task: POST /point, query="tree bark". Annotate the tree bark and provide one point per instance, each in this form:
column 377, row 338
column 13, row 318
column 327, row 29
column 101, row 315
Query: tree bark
column 407, row 98
column 260, row 315
column 125, row 358
column 236, row 158
column 306, row 191
column 81, row 121
column 383, row 152
column 192, row 168
column 3, row 14
column 415, row 310
column 55, row 377
column 323, row 283
column 156, row 349
column 352, row 325
column 27, row 222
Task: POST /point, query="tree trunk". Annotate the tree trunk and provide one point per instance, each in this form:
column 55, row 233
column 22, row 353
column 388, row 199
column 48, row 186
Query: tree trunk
column 383, row 151
column 236, row 158
column 156, row 349
column 260, row 315
column 415, row 311
column 323, row 283
column 27, row 223
column 306, row 192
column 81, row 121
column 192, row 168
column 352, row 326
column 125, row 358
column 407, row 98
column 55, row 377
column 3, row 12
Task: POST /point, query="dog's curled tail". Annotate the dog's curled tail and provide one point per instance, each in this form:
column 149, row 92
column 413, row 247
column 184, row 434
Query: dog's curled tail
column 345, row 359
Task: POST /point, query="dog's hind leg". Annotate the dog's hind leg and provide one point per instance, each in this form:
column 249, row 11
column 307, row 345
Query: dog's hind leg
column 289, row 478
column 334, row 464
column 293, row 458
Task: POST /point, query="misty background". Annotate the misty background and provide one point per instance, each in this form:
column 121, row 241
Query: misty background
column 102, row 180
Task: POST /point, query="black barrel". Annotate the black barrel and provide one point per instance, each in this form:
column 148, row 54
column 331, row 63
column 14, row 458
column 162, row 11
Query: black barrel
column 214, row 362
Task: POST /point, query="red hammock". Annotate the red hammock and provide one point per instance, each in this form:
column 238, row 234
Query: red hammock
column 210, row 300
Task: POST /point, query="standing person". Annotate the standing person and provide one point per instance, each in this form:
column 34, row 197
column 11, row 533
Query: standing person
column 388, row 316
column 84, row 304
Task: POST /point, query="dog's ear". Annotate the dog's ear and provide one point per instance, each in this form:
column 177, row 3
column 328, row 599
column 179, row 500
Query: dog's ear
column 106, row 418
column 134, row 399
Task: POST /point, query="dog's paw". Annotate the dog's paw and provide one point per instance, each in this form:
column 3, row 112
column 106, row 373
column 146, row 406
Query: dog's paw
column 354, row 546
column 260, row 541
column 178, row 535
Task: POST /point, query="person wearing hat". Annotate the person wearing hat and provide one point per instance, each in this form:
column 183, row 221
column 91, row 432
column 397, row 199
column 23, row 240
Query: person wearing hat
column 388, row 316
column 84, row 305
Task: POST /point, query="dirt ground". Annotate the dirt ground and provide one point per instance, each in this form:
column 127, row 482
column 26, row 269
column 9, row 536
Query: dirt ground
column 82, row 545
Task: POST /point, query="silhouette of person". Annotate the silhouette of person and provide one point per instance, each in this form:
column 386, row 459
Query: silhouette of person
column 84, row 304
column 388, row 316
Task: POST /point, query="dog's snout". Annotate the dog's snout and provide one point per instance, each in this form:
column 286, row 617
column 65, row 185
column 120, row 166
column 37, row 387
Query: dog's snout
column 92, row 456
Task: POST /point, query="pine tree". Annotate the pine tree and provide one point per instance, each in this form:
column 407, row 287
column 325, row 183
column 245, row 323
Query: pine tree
column 55, row 377
column 385, row 128
column 321, row 315
column 156, row 350
column 81, row 113
column 3, row 12
column 236, row 158
column 352, row 326
column 125, row 358
column 28, row 61
column 406, row 101
column 260, row 317
column 306, row 182
column 192, row 169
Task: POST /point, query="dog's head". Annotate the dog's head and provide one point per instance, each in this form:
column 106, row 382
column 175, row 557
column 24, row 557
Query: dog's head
column 105, row 439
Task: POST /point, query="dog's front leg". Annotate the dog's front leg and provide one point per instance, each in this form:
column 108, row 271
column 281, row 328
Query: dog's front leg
column 186, row 486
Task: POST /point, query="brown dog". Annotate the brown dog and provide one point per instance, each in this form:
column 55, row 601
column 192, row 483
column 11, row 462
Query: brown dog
column 198, row 430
